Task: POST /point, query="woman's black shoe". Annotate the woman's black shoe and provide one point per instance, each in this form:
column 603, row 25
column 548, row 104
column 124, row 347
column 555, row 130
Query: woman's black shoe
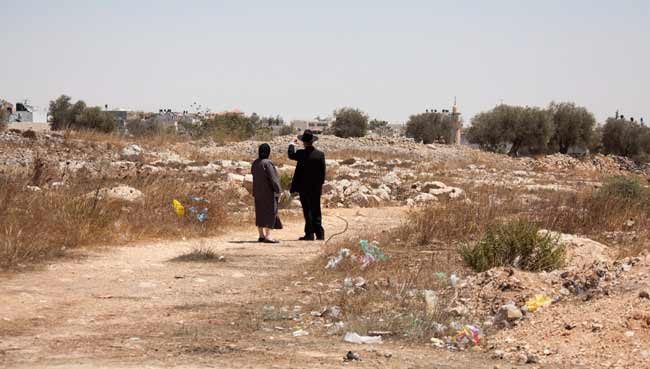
column 261, row 239
column 306, row 238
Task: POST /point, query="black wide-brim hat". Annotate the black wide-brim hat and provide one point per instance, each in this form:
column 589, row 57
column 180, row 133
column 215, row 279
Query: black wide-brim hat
column 308, row 136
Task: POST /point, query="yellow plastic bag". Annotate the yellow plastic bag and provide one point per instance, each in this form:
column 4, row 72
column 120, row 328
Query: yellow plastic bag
column 178, row 207
column 537, row 302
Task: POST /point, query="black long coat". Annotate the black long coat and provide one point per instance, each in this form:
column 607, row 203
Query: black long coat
column 266, row 190
column 310, row 170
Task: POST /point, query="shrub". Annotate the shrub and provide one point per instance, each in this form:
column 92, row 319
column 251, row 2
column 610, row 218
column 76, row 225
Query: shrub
column 349, row 122
column 286, row 130
column 147, row 128
column 430, row 127
column 228, row 127
column 377, row 125
column 200, row 254
column 95, row 119
column 517, row 243
column 522, row 128
column 627, row 188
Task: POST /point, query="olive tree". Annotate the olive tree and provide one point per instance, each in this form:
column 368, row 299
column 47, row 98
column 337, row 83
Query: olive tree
column 429, row 127
column 4, row 116
column 59, row 113
column 520, row 128
column 573, row 126
column 63, row 114
column 626, row 138
column 349, row 122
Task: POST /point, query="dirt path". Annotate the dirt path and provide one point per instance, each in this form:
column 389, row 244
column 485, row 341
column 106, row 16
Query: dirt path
column 129, row 307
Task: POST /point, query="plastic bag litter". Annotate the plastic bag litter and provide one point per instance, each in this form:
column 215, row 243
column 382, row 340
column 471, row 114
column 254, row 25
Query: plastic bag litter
column 437, row 342
column 453, row 279
column 335, row 261
column 300, row 333
column 371, row 253
column 537, row 302
column 355, row 338
column 431, row 299
column 201, row 214
column 178, row 208
column 469, row 334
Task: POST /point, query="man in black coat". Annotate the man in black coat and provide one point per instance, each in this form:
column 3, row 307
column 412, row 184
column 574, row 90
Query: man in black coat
column 308, row 181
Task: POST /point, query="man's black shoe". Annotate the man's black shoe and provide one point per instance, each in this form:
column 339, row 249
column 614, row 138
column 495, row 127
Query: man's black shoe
column 306, row 238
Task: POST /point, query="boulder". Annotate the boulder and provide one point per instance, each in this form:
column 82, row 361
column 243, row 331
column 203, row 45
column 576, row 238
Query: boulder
column 359, row 199
column 580, row 251
column 508, row 314
column 131, row 152
column 391, row 179
column 424, row 198
column 118, row 193
column 232, row 177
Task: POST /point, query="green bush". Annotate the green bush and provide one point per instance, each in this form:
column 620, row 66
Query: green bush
column 518, row 244
column 285, row 181
column 65, row 115
column 628, row 188
column 148, row 128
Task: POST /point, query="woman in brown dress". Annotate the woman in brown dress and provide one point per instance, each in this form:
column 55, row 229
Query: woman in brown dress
column 267, row 191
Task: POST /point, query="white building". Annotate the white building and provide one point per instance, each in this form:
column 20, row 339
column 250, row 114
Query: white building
column 23, row 113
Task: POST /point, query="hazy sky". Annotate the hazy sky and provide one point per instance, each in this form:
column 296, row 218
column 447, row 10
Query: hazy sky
column 304, row 58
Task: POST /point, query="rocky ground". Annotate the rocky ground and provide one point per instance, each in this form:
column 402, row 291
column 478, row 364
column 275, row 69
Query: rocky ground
column 592, row 313
column 363, row 172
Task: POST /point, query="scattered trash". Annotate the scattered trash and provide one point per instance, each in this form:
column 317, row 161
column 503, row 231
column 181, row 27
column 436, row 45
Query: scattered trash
column 469, row 334
column 437, row 342
column 453, row 279
column 335, row 328
column 201, row 215
column 380, row 333
column 351, row 356
column 371, row 253
column 178, row 208
column 300, row 333
column 333, row 312
column 334, row 262
column 537, row 302
column 629, row 334
column 358, row 282
column 431, row 300
column 355, row 338
column 455, row 326
column 439, row 328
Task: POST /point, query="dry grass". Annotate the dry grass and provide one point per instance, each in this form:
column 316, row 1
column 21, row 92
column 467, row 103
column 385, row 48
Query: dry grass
column 36, row 226
column 427, row 244
column 202, row 254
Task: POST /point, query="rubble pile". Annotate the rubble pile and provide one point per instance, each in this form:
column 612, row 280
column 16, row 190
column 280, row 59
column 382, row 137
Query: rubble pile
column 557, row 317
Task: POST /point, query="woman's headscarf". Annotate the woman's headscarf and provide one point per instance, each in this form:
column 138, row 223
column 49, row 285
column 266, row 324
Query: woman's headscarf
column 264, row 151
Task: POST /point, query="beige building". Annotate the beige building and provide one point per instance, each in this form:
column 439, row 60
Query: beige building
column 317, row 125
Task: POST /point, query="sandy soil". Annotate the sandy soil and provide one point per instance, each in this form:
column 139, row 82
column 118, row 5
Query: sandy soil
column 130, row 307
